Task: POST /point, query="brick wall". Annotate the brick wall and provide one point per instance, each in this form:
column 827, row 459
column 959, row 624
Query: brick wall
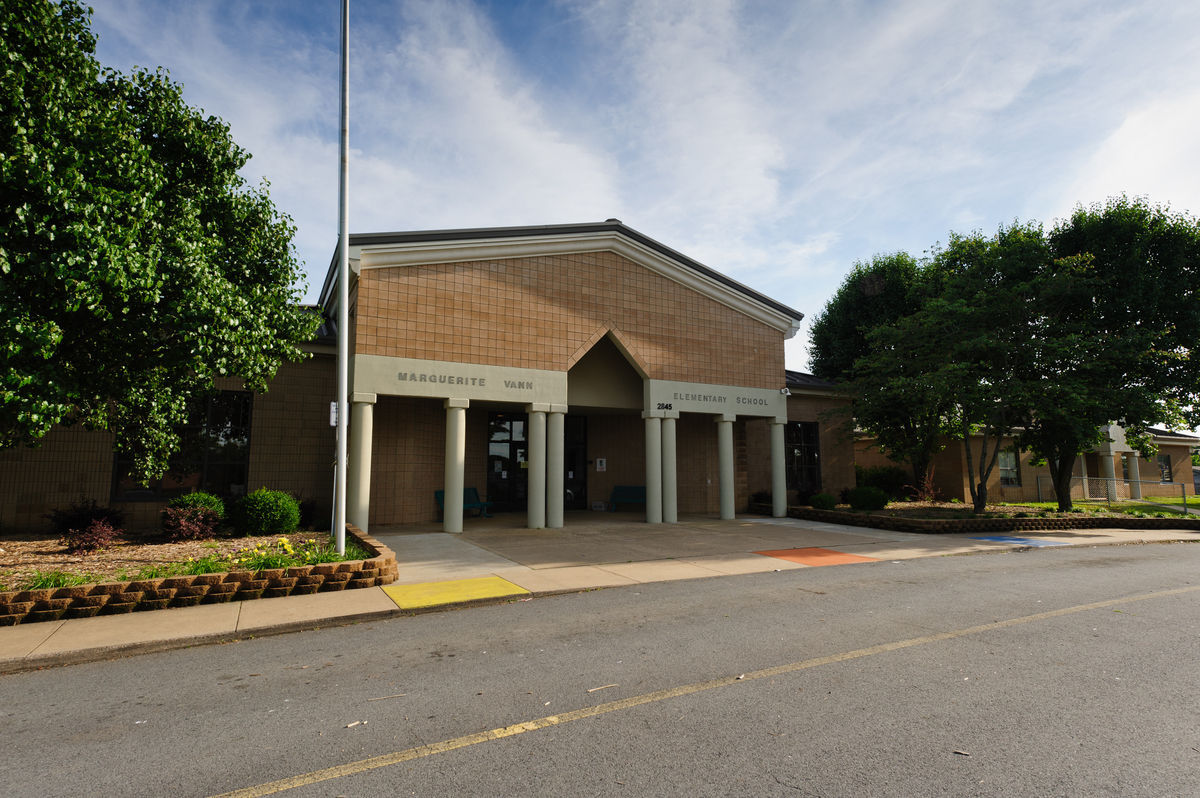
column 621, row 441
column 837, row 451
column 291, row 449
column 71, row 463
column 536, row 312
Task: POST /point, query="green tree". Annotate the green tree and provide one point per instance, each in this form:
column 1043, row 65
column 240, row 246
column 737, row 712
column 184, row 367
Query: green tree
column 969, row 345
column 873, row 294
column 905, row 421
column 1049, row 338
column 136, row 265
column 1124, row 330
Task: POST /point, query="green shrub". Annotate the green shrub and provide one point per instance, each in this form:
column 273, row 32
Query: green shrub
column 265, row 512
column 822, row 501
column 892, row 480
column 868, row 498
column 199, row 499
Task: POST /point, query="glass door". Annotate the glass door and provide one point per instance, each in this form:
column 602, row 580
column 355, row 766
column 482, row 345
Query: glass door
column 575, row 468
column 508, row 462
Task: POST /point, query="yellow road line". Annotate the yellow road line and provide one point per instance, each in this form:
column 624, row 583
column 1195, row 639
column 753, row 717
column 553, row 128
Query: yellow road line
column 353, row 768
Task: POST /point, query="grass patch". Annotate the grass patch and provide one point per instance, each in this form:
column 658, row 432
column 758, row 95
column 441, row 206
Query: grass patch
column 1172, row 501
column 42, row 580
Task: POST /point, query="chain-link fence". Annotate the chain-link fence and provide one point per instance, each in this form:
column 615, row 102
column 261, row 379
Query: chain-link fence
column 1086, row 490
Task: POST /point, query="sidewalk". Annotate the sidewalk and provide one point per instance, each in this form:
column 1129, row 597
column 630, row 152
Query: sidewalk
column 497, row 560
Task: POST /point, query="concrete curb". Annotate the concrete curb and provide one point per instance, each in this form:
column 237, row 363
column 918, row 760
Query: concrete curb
column 82, row 656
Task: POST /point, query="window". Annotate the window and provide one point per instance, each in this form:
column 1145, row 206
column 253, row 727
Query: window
column 1164, row 468
column 803, row 455
column 1010, row 473
column 214, row 454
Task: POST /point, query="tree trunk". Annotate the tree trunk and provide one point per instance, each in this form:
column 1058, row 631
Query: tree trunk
column 1061, row 466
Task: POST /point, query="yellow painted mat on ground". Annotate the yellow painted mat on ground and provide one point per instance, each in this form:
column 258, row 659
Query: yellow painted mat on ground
column 433, row 594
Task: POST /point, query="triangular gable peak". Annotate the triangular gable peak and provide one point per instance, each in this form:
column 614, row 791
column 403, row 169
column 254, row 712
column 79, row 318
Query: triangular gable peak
column 383, row 250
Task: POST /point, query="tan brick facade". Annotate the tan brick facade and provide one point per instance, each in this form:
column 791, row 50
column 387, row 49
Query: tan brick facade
column 538, row 312
column 292, row 449
column 950, row 474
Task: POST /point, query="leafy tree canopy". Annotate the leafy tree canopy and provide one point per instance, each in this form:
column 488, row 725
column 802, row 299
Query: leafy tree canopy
column 903, row 418
column 873, row 294
column 136, row 265
column 1046, row 338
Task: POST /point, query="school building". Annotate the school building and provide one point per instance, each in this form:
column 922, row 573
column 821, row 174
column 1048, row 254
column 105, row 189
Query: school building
column 543, row 367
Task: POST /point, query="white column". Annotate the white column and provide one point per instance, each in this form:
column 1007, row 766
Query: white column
column 556, row 463
column 358, row 480
column 778, row 467
column 1087, row 489
column 670, row 482
column 1109, row 469
column 653, row 466
column 537, row 465
column 725, row 463
column 1135, row 477
column 456, row 461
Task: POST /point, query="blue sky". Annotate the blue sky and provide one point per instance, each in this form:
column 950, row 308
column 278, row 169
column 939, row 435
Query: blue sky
column 777, row 142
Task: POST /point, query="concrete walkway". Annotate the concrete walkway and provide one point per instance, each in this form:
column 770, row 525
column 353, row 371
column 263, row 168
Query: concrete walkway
column 497, row 559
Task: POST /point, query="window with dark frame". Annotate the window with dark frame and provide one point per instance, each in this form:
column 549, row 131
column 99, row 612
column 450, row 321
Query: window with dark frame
column 1165, row 474
column 214, row 454
column 1010, row 470
column 802, row 440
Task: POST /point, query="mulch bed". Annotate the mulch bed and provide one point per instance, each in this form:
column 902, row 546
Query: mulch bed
column 23, row 554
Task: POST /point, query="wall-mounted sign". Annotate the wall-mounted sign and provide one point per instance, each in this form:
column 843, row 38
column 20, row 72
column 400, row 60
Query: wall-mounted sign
column 690, row 397
column 400, row 376
column 601, row 463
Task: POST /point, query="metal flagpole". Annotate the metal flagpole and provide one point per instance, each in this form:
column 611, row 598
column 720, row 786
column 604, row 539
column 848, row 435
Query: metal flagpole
column 343, row 322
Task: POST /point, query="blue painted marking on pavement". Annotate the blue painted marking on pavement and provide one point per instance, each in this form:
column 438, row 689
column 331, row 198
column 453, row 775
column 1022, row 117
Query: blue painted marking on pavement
column 1020, row 541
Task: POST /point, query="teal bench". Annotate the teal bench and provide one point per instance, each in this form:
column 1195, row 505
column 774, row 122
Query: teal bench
column 470, row 502
column 626, row 494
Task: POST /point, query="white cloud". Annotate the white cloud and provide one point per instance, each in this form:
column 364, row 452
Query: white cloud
column 777, row 142
column 1153, row 153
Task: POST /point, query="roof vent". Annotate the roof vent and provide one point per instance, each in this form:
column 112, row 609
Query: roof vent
column 618, row 221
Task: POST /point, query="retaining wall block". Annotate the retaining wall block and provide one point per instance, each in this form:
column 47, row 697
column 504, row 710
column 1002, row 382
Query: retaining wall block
column 109, row 588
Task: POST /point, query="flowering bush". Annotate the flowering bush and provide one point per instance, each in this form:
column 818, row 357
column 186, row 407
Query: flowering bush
column 189, row 523
column 99, row 534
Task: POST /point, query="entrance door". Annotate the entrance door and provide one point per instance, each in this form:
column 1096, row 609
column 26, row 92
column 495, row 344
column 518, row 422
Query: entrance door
column 575, row 473
column 508, row 461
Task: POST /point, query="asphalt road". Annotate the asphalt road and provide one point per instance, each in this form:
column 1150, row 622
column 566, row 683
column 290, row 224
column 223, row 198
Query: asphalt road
column 980, row 675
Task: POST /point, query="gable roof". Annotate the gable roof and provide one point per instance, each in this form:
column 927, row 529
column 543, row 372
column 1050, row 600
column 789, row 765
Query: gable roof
column 1163, row 434
column 381, row 250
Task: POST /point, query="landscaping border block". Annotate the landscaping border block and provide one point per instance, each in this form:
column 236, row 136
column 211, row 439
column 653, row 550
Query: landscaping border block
column 115, row 598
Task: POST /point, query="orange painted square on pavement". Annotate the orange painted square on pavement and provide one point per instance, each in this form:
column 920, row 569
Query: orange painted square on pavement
column 816, row 556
